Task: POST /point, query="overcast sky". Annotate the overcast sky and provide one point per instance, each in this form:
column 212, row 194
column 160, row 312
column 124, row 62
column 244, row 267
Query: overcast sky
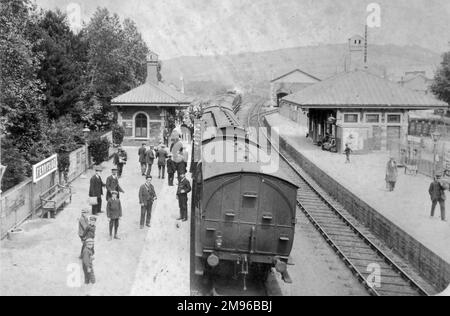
column 174, row 28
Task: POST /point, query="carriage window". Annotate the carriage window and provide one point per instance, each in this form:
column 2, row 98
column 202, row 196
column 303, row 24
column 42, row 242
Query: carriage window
column 351, row 118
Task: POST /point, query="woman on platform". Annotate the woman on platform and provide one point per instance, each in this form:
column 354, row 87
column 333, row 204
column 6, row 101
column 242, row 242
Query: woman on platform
column 391, row 174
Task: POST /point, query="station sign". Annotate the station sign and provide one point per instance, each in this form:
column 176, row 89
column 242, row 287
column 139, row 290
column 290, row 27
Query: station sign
column 44, row 168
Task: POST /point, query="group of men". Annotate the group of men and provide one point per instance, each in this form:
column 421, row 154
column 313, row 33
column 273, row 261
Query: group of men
column 147, row 194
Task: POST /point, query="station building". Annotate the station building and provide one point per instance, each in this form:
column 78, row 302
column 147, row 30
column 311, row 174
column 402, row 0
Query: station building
column 360, row 109
column 290, row 83
column 144, row 112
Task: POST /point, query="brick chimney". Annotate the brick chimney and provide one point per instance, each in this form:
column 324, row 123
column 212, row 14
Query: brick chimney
column 152, row 68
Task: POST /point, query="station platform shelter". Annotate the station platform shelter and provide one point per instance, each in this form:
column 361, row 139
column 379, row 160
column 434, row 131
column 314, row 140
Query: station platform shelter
column 400, row 218
column 367, row 112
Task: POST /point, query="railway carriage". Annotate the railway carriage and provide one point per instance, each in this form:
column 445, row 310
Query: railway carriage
column 243, row 217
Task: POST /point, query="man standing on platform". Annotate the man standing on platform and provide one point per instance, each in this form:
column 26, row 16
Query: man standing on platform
column 96, row 190
column 162, row 156
column 147, row 196
column 142, row 160
column 112, row 184
column 171, row 168
column 149, row 159
column 184, row 187
column 120, row 159
column 437, row 195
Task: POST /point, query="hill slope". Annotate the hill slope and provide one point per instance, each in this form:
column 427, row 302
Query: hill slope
column 256, row 69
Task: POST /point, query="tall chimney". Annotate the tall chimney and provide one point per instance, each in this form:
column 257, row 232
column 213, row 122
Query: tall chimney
column 152, row 68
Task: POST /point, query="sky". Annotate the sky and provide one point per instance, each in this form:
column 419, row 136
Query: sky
column 174, row 28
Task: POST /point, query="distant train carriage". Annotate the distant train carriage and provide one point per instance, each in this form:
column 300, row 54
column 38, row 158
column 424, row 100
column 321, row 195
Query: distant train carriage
column 243, row 217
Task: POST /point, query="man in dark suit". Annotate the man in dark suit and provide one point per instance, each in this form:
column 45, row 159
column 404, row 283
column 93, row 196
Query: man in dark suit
column 437, row 195
column 184, row 187
column 96, row 190
column 120, row 159
column 142, row 159
column 147, row 196
column 149, row 158
column 171, row 168
column 112, row 184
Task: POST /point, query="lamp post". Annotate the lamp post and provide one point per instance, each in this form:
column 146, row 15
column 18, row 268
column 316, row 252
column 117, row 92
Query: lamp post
column 435, row 136
column 2, row 172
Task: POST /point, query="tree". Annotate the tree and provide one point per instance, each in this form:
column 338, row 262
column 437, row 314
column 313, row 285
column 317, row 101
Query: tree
column 441, row 84
column 16, row 164
column 21, row 91
column 63, row 60
column 99, row 149
column 118, row 133
column 117, row 56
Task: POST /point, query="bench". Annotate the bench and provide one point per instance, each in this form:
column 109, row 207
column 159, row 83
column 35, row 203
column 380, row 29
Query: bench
column 411, row 169
column 54, row 198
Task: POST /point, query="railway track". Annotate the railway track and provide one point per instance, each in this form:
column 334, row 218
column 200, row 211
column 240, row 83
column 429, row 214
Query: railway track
column 380, row 275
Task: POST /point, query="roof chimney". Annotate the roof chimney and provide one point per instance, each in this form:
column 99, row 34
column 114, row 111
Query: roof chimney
column 152, row 68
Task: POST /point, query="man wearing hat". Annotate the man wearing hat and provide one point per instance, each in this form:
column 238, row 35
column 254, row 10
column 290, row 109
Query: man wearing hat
column 83, row 224
column 150, row 159
column 112, row 184
column 114, row 213
column 184, row 187
column 437, row 195
column 96, row 190
column 88, row 233
column 147, row 196
column 120, row 159
column 87, row 260
column 142, row 151
column 171, row 168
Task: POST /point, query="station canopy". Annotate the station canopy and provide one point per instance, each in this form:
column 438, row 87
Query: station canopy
column 361, row 89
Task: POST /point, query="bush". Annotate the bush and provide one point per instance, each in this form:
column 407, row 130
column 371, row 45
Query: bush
column 118, row 133
column 99, row 149
column 15, row 162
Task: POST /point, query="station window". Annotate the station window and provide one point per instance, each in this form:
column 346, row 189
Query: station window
column 372, row 118
column 351, row 118
column 394, row 118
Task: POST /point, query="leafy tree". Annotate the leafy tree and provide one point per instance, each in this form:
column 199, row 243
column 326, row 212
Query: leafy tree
column 441, row 85
column 21, row 91
column 63, row 59
column 15, row 162
column 99, row 149
column 118, row 133
column 116, row 63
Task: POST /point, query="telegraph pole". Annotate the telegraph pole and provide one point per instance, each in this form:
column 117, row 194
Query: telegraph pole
column 366, row 46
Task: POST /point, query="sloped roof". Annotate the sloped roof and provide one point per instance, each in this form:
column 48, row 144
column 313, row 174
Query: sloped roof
column 361, row 89
column 293, row 71
column 151, row 94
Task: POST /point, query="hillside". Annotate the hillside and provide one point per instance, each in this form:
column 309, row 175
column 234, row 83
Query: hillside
column 256, row 69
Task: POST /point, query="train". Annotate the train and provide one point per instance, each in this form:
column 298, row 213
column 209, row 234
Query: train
column 243, row 217
column 230, row 99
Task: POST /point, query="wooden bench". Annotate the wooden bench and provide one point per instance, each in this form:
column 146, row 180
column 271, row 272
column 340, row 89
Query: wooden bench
column 411, row 169
column 54, row 198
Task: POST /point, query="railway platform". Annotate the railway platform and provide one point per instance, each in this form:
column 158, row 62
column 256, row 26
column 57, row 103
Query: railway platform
column 154, row 261
column 406, row 211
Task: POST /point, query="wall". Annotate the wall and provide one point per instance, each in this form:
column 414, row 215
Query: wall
column 430, row 266
column 155, row 122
